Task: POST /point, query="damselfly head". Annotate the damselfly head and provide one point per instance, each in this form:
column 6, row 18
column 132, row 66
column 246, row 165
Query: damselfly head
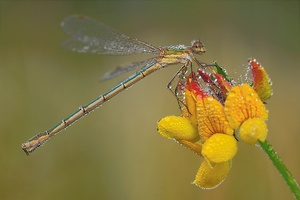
column 198, row 47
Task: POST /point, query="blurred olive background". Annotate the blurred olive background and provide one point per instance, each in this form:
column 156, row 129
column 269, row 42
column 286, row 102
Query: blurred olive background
column 115, row 152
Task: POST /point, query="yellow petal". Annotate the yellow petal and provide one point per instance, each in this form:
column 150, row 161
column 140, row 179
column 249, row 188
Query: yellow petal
column 209, row 178
column 211, row 118
column 178, row 128
column 252, row 130
column 243, row 103
column 219, row 148
column 189, row 111
column 196, row 147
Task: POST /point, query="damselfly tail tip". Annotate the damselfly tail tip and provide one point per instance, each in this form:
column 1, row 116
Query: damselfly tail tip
column 25, row 149
column 31, row 145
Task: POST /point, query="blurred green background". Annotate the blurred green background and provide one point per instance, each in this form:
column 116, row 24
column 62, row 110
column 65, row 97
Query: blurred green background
column 115, row 152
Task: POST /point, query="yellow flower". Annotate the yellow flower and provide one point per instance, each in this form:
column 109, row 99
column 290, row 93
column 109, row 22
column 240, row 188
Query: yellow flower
column 214, row 139
column 246, row 112
column 213, row 111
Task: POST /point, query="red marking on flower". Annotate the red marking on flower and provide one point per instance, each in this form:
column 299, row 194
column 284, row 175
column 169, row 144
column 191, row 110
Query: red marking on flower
column 223, row 84
column 256, row 71
column 193, row 86
column 205, row 76
column 261, row 81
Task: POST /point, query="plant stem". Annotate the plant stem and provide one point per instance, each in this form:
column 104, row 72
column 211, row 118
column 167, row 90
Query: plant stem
column 287, row 176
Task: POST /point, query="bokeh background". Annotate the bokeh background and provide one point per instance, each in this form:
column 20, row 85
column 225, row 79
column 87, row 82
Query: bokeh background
column 115, row 152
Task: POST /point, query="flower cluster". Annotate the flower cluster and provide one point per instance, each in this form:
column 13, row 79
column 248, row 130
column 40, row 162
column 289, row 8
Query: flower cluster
column 215, row 112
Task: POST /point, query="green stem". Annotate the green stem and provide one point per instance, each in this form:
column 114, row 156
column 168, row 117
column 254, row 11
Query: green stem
column 287, row 176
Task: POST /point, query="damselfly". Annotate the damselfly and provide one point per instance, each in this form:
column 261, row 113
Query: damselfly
column 90, row 36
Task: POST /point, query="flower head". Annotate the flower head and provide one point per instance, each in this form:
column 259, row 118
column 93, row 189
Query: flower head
column 213, row 110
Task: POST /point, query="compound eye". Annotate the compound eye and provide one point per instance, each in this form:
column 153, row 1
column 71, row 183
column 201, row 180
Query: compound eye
column 196, row 44
column 198, row 47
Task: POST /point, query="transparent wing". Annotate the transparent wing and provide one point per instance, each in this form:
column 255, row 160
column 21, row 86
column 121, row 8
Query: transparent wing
column 123, row 69
column 90, row 36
